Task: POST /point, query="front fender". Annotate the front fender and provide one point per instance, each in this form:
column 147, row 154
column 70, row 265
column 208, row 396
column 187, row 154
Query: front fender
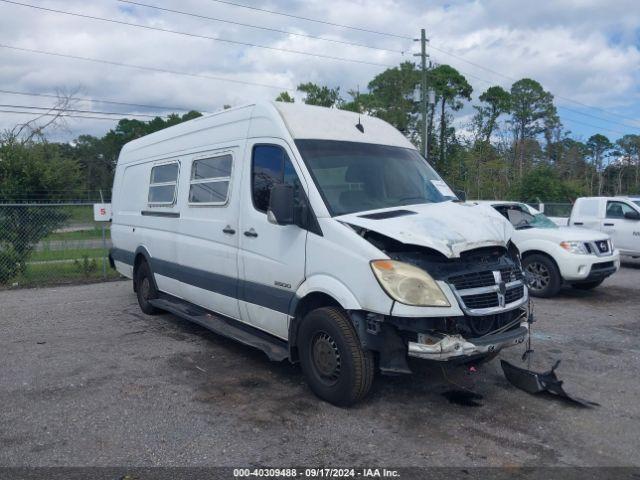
column 330, row 286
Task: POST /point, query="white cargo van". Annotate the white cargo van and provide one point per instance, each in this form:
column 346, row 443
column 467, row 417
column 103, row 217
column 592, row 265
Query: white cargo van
column 318, row 236
column 619, row 217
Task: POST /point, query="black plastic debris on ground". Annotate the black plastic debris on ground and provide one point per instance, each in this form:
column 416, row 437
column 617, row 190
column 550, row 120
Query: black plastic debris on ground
column 463, row 397
column 534, row 382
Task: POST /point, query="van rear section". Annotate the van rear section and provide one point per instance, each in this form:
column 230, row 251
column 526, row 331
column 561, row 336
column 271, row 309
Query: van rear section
column 319, row 236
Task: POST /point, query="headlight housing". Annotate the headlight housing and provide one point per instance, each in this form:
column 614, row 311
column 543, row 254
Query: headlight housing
column 575, row 247
column 408, row 284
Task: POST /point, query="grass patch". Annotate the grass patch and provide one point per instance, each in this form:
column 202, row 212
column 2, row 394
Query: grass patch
column 60, row 273
column 91, row 234
column 70, row 254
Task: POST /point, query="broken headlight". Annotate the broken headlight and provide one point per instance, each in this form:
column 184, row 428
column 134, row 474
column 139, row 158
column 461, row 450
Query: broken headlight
column 408, row 284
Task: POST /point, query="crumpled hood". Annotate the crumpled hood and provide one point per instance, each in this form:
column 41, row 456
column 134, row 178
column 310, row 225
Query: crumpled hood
column 448, row 227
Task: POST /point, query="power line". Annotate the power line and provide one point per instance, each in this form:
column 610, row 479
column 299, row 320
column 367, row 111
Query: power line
column 112, row 119
column 59, row 109
column 559, row 106
column 513, row 79
column 286, row 32
column 140, row 67
column 98, row 100
column 324, row 22
column 195, row 35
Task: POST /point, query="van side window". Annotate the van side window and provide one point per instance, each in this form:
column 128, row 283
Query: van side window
column 162, row 186
column 210, row 179
column 270, row 165
column 617, row 209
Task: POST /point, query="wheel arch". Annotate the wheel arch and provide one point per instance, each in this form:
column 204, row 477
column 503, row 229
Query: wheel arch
column 142, row 255
column 316, row 292
column 528, row 253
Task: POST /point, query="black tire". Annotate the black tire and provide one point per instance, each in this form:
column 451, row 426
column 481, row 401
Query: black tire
column 545, row 276
column 588, row 285
column 335, row 366
column 145, row 289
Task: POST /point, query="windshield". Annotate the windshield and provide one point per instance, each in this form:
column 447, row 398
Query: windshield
column 354, row 177
column 637, row 202
column 521, row 218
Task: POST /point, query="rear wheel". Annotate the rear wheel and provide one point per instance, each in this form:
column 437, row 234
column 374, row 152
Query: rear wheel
column 588, row 285
column 544, row 277
column 336, row 367
column 146, row 289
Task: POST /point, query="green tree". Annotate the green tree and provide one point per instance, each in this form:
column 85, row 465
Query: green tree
column 628, row 148
column 322, row 96
column 532, row 112
column 543, row 183
column 495, row 102
column 451, row 88
column 599, row 148
column 35, row 171
column 285, row 97
column 390, row 97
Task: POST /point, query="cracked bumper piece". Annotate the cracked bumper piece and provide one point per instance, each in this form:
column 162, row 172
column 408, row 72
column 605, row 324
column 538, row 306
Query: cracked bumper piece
column 448, row 347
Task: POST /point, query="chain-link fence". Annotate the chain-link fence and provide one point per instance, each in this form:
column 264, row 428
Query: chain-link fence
column 45, row 244
column 557, row 209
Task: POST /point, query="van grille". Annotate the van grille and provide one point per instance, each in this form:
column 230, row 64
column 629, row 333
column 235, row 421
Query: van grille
column 484, row 278
column 489, row 291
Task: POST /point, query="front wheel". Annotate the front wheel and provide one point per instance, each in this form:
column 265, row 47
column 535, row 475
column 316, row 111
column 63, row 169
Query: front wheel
column 336, row 367
column 544, row 277
column 588, row 285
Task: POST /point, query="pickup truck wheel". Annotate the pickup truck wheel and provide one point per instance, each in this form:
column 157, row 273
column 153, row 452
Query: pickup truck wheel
column 336, row 367
column 146, row 289
column 588, row 285
column 545, row 280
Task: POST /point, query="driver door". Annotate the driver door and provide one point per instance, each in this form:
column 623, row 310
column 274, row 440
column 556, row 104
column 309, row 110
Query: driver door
column 271, row 257
column 624, row 232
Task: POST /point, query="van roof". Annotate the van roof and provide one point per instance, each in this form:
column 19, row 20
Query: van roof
column 313, row 122
column 276, row 119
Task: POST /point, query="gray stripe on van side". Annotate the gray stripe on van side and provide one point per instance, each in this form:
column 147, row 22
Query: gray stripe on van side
column 264, row 295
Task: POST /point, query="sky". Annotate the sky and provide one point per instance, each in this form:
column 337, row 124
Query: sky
column 585, row 52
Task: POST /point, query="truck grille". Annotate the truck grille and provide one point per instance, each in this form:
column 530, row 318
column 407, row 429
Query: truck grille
column 489, row 291
column 603, row 246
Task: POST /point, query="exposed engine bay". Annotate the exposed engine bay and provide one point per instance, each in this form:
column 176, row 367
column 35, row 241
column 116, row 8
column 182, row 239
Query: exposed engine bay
column 489, row 285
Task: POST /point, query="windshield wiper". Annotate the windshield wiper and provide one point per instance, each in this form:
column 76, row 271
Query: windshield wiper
column 523, row 227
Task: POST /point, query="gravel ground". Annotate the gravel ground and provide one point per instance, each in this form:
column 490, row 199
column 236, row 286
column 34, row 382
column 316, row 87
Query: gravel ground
column 87, row 379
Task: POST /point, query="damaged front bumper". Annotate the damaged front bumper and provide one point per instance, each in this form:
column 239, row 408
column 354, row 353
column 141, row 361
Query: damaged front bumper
column 448, row 347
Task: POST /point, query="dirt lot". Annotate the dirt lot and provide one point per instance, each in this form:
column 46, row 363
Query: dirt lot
column 87, row 379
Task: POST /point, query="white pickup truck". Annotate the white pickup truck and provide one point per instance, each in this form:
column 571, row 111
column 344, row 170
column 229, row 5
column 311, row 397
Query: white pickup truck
column 618, row 217
column 552, row 254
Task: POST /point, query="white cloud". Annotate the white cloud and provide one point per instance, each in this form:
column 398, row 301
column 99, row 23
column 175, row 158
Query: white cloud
column 576, row 48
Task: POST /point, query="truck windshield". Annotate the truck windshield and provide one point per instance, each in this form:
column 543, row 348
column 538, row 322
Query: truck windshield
column 521, row 218
column 355, row 177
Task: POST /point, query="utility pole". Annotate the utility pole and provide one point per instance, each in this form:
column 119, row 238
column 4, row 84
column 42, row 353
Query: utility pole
column 423, row 91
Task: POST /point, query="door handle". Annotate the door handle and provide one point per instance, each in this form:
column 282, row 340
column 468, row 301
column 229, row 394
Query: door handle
column 229, row 230
column 251, row 233
column 609, row 225
column 578, row 223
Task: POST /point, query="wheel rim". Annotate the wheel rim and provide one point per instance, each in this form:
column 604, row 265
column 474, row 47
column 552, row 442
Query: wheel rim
column 539, row 275
column 145, row 289
column 326, row 357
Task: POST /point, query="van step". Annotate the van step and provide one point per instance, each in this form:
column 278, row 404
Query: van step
column 275, row 348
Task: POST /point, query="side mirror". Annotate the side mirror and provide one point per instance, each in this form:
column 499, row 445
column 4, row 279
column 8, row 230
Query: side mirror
column 632, row 215
column 461, row 194
column 281, row 206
